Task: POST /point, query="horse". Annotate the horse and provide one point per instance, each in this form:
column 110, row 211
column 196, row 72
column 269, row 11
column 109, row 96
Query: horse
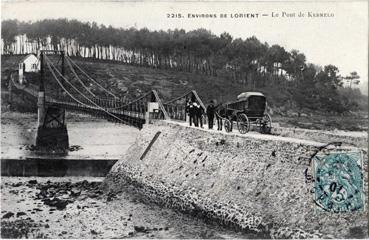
column 222, row 113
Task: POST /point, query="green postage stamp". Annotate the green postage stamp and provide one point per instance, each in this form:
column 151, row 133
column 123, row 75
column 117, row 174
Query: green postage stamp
column 339, row 181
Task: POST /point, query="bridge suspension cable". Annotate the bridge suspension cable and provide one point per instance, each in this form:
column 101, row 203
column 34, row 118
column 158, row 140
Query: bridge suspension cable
column 61, row 85
column 88, row 90
column 79, row 80
column 90, row 78
column 70, row 61
column 50, row 66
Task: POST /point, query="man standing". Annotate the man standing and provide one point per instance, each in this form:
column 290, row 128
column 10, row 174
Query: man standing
column 210, row 111
column 191, row 112
column 197, row 114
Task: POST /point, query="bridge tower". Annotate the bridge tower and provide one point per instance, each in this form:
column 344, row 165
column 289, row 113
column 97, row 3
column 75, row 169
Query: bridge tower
column 41, row 91
column 52, row 131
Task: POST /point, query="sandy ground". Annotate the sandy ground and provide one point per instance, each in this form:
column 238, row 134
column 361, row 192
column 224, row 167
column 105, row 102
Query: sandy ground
column 27, row 209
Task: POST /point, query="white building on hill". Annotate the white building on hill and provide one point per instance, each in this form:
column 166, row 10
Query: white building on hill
column 28, row 64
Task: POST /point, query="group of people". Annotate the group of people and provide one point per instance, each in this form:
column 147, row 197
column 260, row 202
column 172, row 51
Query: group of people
column 196, row 114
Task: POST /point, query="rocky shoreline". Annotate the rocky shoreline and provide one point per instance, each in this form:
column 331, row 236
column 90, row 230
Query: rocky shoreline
column 77, row 207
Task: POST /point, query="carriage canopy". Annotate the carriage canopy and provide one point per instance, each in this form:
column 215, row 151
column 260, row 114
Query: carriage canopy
column 251, row 103
column 246, row 95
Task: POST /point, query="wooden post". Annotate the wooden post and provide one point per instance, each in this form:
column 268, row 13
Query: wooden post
column 147, row 114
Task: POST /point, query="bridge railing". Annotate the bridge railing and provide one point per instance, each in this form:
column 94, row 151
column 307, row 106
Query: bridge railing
column 140, row 106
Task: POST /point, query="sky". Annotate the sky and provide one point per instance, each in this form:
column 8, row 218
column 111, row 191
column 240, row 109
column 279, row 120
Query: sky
column 340, row 38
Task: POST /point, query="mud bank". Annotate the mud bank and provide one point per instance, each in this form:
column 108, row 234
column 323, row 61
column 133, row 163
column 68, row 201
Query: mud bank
column 251, row 182
column 76, row 208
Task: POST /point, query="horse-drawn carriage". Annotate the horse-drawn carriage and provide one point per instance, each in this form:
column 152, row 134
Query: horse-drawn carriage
column 250, row 108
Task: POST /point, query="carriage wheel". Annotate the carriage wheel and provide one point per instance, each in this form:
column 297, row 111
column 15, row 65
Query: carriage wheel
column 266, row 124
column 227, row 125
column 243, row 123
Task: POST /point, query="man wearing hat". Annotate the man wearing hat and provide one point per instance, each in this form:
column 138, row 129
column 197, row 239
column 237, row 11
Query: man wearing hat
column 210, row 112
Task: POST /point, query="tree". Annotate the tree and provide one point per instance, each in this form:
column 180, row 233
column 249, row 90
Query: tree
column 9, row 29
column 327, row 83
column 295, row 63
column 353, row 78
column 305, row 94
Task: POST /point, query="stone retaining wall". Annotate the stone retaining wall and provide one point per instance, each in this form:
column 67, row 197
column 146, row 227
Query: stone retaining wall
column 252, row 183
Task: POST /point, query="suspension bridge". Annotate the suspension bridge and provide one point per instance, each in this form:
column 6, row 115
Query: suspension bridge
column 73, row 92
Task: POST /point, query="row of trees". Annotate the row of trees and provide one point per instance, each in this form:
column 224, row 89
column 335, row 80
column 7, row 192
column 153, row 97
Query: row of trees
column 248, row 61
column 194, row 51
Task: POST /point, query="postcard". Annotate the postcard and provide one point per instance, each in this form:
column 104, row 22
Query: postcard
column 184, row 119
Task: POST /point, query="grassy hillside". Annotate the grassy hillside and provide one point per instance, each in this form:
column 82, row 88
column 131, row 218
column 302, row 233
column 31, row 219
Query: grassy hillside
column 132, row 81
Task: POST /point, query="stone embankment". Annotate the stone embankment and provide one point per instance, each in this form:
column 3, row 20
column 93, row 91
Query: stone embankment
column 253, row 182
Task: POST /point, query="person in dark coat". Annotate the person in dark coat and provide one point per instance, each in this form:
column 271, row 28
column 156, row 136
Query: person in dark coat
column 190, row 109
column 197, row 110
column 200, row 115
column 210, row 112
